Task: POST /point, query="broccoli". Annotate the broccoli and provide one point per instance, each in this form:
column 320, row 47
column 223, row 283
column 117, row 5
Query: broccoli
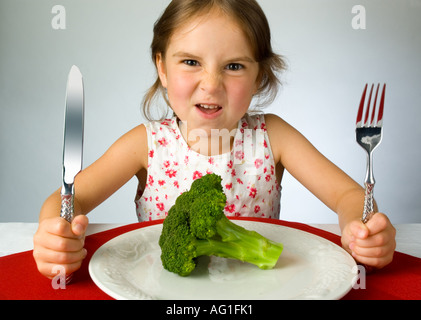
column 197, row 226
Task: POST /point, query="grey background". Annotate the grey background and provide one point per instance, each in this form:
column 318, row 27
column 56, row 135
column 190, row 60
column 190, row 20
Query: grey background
column 329, row 64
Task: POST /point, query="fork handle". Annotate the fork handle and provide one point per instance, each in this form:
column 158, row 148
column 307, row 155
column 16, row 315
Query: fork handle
column 368, row 203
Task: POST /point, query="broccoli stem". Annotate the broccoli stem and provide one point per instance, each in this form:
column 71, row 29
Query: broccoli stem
column 233, row 241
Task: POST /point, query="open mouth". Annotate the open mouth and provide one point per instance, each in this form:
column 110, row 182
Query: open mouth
column 208, row 108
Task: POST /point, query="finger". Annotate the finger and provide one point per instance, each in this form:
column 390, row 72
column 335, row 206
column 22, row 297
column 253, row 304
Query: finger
column 79, row 225
column 378, row 223
column 377, row 240
column 62, row 258
column 58, row 226
column 376, row 262
column 375, row 252
column 358, row 230
column 58, row 243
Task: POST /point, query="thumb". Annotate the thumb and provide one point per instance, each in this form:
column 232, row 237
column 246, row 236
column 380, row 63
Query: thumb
column 358, row 229
column 79, row 225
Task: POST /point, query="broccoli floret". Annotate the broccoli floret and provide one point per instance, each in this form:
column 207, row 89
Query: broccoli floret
column 197, row 226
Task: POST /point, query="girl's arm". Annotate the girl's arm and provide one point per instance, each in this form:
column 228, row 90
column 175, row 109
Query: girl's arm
column 368, row 243
column 57, row 242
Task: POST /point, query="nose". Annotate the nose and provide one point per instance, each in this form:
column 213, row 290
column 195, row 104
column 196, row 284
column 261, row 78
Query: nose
column 211, row 82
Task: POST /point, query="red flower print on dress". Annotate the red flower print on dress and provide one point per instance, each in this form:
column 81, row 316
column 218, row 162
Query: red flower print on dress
column 166, row 164
column 230, row 208
column 150, row 181
column 265, row 144
column 258, row 163
column 230, row 164
column 253, row 192
column 239, row 155
column 197, row 175
column 161, row 182
column 151, row 154
column 160, row 206
column 171, row 173
column 176, row 184
column 228, row 186
column 163, row 142
column 256, row 209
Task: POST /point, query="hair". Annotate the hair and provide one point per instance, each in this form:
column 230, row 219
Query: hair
column 250, row 18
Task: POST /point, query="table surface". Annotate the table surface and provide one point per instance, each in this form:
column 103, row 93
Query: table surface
column 400, row 280
column 17, row 237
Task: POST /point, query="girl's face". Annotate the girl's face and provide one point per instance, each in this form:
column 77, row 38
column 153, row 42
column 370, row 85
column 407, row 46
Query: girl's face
column 210, row 73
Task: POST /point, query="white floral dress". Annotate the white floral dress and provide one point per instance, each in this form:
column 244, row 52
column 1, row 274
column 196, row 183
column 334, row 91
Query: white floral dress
column 247, row 171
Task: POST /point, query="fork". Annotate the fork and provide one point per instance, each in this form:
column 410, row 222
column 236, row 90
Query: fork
column 369, row 135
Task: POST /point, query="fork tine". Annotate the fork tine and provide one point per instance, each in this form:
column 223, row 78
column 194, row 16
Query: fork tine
column 380, row 116
column 361, row 108
column 374, row 106
column 367, row 112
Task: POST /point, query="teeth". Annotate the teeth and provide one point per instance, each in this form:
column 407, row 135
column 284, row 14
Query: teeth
column 206, row 106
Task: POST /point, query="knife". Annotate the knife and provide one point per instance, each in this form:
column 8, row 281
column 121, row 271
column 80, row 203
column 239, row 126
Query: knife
column 73, row 140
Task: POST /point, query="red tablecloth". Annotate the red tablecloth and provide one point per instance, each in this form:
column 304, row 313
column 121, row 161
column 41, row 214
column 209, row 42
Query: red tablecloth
column 20, row 279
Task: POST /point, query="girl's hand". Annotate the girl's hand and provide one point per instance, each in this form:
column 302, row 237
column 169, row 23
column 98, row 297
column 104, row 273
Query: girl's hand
column 371, row 244
column 58, row 242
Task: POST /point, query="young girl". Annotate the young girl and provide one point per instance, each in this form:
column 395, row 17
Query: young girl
column 213, row 58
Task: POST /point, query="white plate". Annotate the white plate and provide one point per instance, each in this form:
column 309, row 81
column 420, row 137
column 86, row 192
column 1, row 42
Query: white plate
column 310, row 267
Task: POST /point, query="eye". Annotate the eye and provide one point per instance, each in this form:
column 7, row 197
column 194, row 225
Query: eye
column 191, row 63
column 234, row 67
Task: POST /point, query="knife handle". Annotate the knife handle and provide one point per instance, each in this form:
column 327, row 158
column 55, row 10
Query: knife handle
column 67, row 207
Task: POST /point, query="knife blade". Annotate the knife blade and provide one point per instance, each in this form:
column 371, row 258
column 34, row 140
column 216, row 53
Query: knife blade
column 72, row 140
